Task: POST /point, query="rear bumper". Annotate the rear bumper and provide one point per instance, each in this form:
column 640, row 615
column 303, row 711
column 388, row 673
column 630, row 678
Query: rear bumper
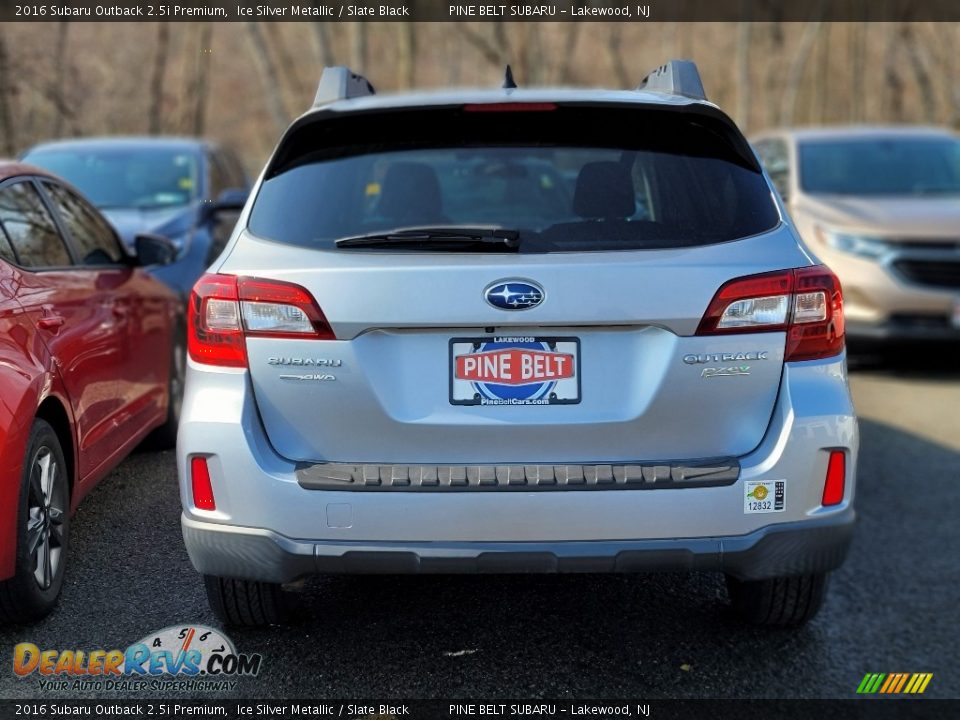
column 272, row 522
column 811, row 546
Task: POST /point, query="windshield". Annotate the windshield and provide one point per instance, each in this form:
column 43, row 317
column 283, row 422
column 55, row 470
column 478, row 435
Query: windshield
column 649, row 183
column 881, row 166
column 131, row 177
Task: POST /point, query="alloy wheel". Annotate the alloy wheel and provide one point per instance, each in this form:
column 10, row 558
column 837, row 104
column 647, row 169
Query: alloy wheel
column 45, row 517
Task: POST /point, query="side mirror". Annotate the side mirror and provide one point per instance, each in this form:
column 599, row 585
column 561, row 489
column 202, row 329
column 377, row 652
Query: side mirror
column 230, row 200
column 154, row 250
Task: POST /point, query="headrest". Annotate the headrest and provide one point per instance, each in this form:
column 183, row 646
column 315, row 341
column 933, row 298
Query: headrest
column 410, row 189
column 604, row 190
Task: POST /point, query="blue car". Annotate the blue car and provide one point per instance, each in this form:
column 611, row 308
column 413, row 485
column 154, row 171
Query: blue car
column 187, row 190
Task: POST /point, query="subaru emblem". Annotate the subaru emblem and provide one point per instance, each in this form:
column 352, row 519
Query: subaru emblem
column 514, row 294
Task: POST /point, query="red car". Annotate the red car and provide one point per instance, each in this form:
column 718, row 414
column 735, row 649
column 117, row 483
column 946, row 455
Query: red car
column 91, row 363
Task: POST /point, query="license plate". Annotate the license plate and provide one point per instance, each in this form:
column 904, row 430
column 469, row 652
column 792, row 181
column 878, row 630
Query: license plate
column 515, row 370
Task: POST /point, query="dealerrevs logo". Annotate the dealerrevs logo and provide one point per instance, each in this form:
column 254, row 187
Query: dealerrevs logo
column 198, row 657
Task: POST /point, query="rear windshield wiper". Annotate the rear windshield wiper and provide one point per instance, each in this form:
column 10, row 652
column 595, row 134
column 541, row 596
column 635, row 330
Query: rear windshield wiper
column 491, row 238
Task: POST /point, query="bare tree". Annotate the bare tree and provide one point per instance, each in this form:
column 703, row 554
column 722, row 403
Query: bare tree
column 529, row 62
column 198, row 125
column 502, row 40
column 743, row 74
column 772, row 71
column 954, row 86
column 406, row 54
column 493, row 46
column 791, row 88
column 920, row 62
column 687, row 30
column 858, row 53
column 769, row 72
column 820, row 100
column 321, row 41
column 452, row 50
column 565, row 74
column 291, row 84
column 668, row 41
column 8, row 138
column 61, row 106
column 614, row 42
column 893, row 83
column 268, row 75
column 358, row 46
column 157, row 76
column 944, row 42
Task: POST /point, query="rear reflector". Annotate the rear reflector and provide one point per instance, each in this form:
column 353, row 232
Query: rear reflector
column 225, row 309
column 202, row 487
column 807, row 303
column 833, row 486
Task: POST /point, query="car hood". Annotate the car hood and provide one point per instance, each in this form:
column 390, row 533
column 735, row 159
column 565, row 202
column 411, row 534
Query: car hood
column 923, row 218
column 129, row 222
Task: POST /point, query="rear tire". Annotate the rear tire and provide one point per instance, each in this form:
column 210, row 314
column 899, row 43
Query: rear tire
column 43, row 524
column 246, row 603
column 778, row 602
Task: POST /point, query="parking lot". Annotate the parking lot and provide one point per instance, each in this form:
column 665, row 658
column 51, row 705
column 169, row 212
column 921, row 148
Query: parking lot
column 888, row 609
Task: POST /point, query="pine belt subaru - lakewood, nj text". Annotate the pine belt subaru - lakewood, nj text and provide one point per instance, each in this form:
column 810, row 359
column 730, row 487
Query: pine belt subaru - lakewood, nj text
column 516, row 331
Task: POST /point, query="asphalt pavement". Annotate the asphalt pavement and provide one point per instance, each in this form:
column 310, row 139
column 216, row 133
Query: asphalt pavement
column 891, row 608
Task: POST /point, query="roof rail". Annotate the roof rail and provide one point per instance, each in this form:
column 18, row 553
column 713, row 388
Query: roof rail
column 341, row 83
column 677, row 77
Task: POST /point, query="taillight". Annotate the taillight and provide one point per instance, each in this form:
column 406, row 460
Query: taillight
column 279, row 309
column 225, row 309
column 201, row 485
column 833, row 486
column 805, row 302
column 817, row 325
column 214, row 333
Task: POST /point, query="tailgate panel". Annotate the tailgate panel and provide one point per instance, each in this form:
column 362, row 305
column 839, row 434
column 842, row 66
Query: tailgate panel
column 382, row 392
column 641, row 400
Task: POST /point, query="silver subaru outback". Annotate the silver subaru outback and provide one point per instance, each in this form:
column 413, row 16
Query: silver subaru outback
column 515, row 330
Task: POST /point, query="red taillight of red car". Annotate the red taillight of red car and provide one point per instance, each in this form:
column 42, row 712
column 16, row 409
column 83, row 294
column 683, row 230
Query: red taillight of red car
column 805, row 302
column 226, row 309
column 834, row 484
column 200, row 482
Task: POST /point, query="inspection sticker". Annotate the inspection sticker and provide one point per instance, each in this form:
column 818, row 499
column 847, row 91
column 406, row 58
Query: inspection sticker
column 763, row 496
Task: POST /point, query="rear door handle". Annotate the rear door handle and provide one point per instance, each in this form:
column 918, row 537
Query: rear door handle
column 50, row 322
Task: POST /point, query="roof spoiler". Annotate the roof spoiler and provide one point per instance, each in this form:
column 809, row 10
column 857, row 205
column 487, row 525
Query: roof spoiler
column 341, row 83
column 677, row 77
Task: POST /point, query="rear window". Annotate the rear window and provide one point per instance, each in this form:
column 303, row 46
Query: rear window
column 568, row 179
column 30, row 228
column 144, row 177
column 881, row 166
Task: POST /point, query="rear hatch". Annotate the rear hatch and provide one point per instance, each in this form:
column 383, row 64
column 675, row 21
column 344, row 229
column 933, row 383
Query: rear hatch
column 513, row 285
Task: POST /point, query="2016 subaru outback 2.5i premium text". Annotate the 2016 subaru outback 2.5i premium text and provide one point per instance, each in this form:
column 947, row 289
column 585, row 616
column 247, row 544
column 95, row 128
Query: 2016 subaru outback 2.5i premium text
column 512, row 331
